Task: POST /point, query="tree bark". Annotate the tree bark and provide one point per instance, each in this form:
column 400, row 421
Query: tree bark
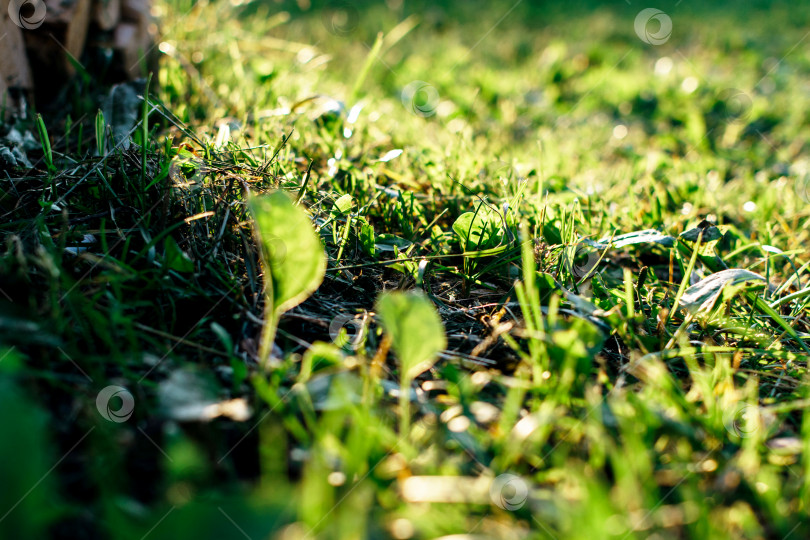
column 42, row 47
column 15, row 72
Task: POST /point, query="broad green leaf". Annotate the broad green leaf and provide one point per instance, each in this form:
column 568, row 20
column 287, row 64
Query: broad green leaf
column 702, row 295
column 647, row 236
column 26, row 454
column 390, row 242
column 175, row 258
column 319, row 356
column 344, row 204
column 292, row 253
column 366, row 237
column 709, row 232
column 415, row 328
column 551, row 233
column 480, row 231
column 224, row 337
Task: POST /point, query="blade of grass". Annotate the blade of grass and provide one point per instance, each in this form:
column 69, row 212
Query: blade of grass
column 361, row 77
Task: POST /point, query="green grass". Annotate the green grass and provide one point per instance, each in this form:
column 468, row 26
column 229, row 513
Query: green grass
column 490, row 155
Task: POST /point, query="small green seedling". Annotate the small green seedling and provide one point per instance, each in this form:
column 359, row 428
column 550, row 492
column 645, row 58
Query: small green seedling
column 417, row 336
column 292, row 257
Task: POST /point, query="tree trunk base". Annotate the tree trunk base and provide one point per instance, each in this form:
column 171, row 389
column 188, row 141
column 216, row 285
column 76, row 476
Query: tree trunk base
column 45, row 41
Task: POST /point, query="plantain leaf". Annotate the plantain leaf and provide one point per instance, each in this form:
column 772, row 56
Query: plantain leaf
column 479, row 230
column 344, row 204
column 391, row 242
column 702, row 295
column 366, row 237
column 415, row 328
column 647, row 236
column 293, row 257
column 175, row 258
column 708, row 229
